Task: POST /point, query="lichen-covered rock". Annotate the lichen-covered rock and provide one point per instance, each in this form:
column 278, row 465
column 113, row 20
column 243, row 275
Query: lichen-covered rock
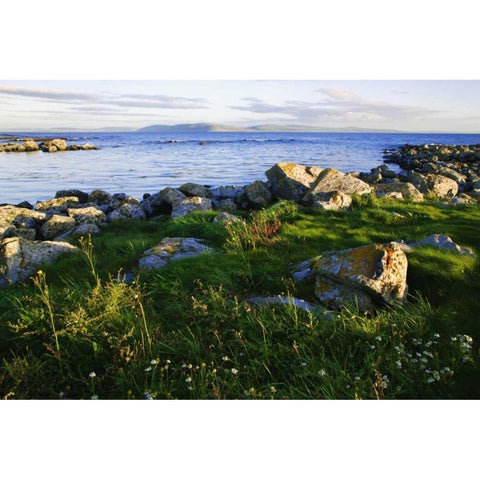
column 56, row 225
column 170, row 249
column 189, row 205
column 406, row 189
column 87, row 215
column 100, row 197
column 290, row 181
column 258, row 194
column 54, row 145
column 226, row 218
column 234, row 193
column 373, row 274
column 440, row 186
column 127, row 210
column 82, row 196
column 20, row 258
column 331, row 180
column 172, row 196
column 20, row 217
column 194, row 190
column 225, row 205
column 332, row 201
column 30, row 146
column 154, row 205
column 28, row 233
column 442, row 241
column 57, row 205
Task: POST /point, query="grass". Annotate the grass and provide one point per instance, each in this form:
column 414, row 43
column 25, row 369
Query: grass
column 185, row 331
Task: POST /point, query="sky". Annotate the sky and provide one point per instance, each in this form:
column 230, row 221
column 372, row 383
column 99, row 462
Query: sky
column 412, row 106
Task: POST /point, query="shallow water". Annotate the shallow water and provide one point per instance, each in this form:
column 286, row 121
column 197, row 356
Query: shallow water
column 137, row 163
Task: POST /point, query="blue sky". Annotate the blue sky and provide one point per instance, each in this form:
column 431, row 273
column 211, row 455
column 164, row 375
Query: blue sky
column 428, row 105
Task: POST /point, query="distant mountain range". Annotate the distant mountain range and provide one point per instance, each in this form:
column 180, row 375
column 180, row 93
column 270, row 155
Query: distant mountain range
column 215, row 127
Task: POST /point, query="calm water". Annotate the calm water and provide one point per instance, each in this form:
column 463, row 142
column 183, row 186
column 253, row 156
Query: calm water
column 136, row 163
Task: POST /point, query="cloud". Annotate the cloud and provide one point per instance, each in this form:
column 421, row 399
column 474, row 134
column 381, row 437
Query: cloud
column 336, row 106
column 130, row 100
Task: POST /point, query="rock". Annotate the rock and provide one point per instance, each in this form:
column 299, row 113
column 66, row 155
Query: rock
column 194, row 190
column 331, row 180
column 172, row 196
column 57, row 205
column 127, row 210
column 56, row 225
column 13, row 218
column 82, row 196
column 226, row 205
column 440, row 186
column 368, row 275
column 100, row 197
column 83, row 229
column 280, row 300
column 170, row 249
column 332, row 201
column 54, row 145
column 406, row 189
column 258, row 194
column 87, row 215
column 25, row 204
column 191, row 204
column 30, row 146
column 226, row 218
column 28, row 233
column 462, row 199
column 154, row 205
column 290, row 181
column 20, row 258
column 234, row 193
column 442, row 241
column 12, row 147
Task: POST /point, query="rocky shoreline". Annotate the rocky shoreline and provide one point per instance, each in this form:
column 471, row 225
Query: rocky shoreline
column 44, row 144
column 31, row 236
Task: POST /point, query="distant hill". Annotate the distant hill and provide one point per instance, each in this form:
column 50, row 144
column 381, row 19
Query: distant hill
column 215, row 127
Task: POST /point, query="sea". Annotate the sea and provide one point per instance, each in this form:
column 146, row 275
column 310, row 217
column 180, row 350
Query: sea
column 136, row 163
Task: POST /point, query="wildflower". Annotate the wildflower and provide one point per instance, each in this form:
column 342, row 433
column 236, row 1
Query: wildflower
column 418, row 354
column 188, row 379
column 372, row 347
column 398, row 363
column 40, row 272
column 234, row 371
column 378, row 339
column 189, row 388
column 169, row 362
column 184, row 365
column 430, row 380
column 241, row 354
column 436, row 335
column 61, row 394
column 225, row 358
column 154, row 361
column 304, row 364
column 148, row 369
column 446, row 369
column 357, row 378
column 92, row 374
column 203, row 364
column 453, row 339
column 273, row 389
column 413, row 360
column 147, row 396
column 322, row 372
column 424, row 360
column 94, row 397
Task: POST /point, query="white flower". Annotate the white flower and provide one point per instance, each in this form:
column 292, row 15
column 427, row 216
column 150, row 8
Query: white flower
column 372, row 347
column 94, row 397
column 273, row 389
column 430, row 380
column 92, row 374
column 148, row 369
column 398, row 363
column 188, row 379
column 169, row 362
column 304, row 364
column 436, row 335
column 234, row 371
column 357, row 378
column 379, row 339
column 153, row 362
column 225, row 358
column 322, row 372
column 147, row 396
column 189, row 388
column 424, row 360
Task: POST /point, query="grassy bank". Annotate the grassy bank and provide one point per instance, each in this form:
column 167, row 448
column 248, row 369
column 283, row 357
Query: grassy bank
column 75, row 331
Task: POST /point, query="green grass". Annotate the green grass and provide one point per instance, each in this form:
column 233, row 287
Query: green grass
column 185, row 331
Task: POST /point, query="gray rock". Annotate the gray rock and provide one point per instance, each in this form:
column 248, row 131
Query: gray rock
column 126, row 211
column 332, row 201
column 406, row 189
column 82, row 196
column 56, row 225
column 20, row 258
column 226, row 218
column 189, row 205
column 194, row 190
column 258, row 194
column 226, row 205
column 442, row 241
column 57, row 205
column 172, row 196
column 154, row 205
column 87, row 215
column 290, row 181
column 331, row 180
column 170, row 249
column 100, row 197
column 280, row 300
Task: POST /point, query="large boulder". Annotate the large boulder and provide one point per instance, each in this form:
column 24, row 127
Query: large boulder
column 258, row 194
column 82, row 196
column 395, row 189
column 30, row 146
column 100, row 197
column 87, row 215
column 172, row 196
column 54, row 145
column 368, row 275
column 437, row 185
column 331, row 180
column 56, row 225
column 57, row 205
column 20, row 217
column 442, row 241
column 154, row 205
column 20, row 258
column 291, row 181
column 189, row 205
column 194, row 190
column 170, row 249
column 128, row 210
column 228, row 194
